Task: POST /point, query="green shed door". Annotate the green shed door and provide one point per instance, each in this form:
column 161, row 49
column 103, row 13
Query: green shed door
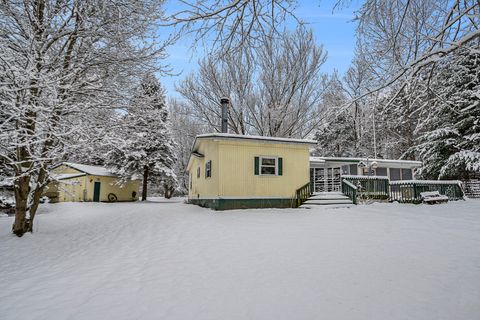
column 96, row 192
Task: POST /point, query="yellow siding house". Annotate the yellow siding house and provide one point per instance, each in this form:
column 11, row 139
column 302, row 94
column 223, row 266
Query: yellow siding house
column 228, row 171
column 79, row 182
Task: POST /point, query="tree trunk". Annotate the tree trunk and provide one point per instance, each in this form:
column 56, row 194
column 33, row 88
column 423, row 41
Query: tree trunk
column 168, row 190
column 37, row 194
column 145, row 181
column 21, row 199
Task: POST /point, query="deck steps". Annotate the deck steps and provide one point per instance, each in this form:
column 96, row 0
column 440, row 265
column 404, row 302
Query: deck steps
column 327, row 199
column 326, row 206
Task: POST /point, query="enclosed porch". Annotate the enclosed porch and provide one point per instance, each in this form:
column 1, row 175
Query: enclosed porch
column 326, row 172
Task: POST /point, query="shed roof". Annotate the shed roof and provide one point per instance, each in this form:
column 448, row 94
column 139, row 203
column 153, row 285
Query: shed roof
column 64, row 176
column 88, row 169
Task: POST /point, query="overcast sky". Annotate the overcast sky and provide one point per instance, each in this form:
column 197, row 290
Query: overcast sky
column 335, row 30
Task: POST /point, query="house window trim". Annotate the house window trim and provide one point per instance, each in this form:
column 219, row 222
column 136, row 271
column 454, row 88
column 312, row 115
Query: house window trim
column 260, row 158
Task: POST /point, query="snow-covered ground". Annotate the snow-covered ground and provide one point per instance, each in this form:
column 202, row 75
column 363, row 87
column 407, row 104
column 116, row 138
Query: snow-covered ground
column 169, row 260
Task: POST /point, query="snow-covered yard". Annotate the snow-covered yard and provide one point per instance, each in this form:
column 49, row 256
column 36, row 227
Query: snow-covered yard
column 169, row 260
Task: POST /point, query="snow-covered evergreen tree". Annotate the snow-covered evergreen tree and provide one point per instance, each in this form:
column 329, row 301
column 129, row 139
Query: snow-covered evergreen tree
column 144, row 146
column 345, row 129
column 449, row 134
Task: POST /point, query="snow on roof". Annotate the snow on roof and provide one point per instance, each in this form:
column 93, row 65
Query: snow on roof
column 63, row 176
column 317, row 159
column 88, row 169
column 426, row 182
column 346, row 159
column 351, row 176
column 265, row 138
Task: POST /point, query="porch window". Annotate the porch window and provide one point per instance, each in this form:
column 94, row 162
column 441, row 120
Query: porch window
column 382, row 172
column 407, row 174
column 365, row 172
column 353, row 169
column 345, row 169
column 394, row 174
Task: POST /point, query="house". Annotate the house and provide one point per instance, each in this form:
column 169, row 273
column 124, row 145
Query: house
column 231, row 171
column 79, row 182
column 228, row 171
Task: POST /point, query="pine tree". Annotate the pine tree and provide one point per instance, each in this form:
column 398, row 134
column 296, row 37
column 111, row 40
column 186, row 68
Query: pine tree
column 336, row 131
column 145, row 147
column 449, row 138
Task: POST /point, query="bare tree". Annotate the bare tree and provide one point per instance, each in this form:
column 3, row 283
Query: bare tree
column 184, row 128
column 274, row 89
column 59, row 62
column 401, row 38
column 228, row 25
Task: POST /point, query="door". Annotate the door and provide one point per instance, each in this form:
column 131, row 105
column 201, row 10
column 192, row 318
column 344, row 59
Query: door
column 96, row 192
column 325, row 179
column 317, row 179
column 336, row 180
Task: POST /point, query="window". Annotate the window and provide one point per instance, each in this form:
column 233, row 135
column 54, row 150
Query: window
column 381, row 171
column 198, row 172
column 190, row 181
column 345, row 169
column 268, row 166
column 407, row 174
column 353, row 169
column 365, row 172
column 208, row 169
column 394, row 174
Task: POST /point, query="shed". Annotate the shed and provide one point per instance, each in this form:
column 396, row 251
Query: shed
column 79, row 182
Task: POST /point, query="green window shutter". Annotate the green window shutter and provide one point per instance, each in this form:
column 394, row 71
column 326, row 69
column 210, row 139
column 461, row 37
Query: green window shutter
column 257, row 165
column 280, row 166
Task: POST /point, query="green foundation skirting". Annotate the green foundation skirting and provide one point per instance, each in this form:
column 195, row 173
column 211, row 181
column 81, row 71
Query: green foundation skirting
column 227, row 204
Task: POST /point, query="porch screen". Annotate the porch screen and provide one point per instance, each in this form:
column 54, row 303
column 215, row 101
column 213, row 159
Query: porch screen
column 394, row 174
column 382, row 172
column 353, row 169
column 407, row 174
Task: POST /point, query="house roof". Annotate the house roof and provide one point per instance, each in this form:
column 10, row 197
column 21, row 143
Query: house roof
column 259, row 138
column 88, row 169
column 411, row 163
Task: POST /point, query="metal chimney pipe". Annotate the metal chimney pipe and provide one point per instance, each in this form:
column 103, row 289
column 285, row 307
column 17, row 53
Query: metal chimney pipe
column 224, row 102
